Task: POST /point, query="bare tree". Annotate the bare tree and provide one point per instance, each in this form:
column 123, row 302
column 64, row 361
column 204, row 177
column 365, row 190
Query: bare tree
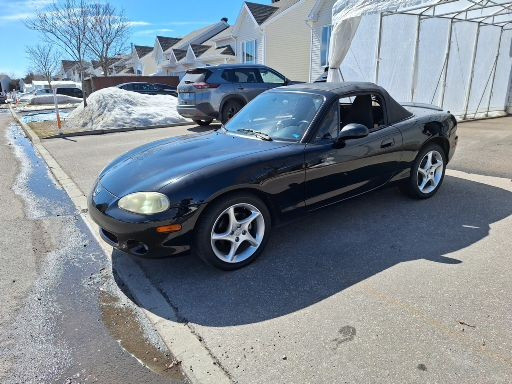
column 107, row 35
column 65, row 24
column 45, row 60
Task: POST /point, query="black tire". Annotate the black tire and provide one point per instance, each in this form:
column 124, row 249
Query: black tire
column 202, row 243
column 230, row 109
column 203, row 123
column 411, row 186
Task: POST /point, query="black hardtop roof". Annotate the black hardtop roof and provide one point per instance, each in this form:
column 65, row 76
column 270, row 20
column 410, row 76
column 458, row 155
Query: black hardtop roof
column 395, row 111
column 338, row 88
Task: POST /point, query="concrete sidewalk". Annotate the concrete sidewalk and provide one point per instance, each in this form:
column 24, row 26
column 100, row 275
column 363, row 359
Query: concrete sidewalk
column 378, row 289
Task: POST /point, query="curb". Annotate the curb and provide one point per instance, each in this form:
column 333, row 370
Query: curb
column 198, row 364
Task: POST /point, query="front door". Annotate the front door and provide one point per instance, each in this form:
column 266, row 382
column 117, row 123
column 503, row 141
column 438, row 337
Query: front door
column 334, row 173
column 246, row 81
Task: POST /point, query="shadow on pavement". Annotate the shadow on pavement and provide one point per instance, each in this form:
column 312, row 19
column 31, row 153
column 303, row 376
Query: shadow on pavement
column 329, row 251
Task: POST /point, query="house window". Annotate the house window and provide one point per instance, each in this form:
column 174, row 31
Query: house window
column 249, row 52
column 324, row 49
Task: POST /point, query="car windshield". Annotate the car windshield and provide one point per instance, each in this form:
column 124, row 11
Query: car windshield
column 283, row 116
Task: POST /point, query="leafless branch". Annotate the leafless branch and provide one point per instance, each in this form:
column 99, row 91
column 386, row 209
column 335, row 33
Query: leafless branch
column 108, row 32
column 65, row 24
column 45, row 60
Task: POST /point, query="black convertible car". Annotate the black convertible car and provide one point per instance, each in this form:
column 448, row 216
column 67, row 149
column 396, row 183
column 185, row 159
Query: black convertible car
column 291, row 150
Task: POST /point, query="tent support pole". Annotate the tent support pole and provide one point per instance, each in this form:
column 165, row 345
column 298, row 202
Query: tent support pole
column 379, row 39
column 472, row 72
column 446, row 59
column 494, row 74
column 415, row 59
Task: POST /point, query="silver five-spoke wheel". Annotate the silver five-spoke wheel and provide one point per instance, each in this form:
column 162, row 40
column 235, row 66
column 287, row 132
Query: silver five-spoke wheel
column 430, row 171
column 237, row 233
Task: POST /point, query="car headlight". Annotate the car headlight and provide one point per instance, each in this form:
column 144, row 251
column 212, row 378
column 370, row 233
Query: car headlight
column 144, row 203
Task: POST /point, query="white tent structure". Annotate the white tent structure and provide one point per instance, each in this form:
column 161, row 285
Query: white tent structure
column 455, row 54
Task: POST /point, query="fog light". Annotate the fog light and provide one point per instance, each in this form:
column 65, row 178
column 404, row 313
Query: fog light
column 169, row 228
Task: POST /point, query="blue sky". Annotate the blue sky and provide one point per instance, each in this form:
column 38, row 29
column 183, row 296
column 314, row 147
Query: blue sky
column 148, row 17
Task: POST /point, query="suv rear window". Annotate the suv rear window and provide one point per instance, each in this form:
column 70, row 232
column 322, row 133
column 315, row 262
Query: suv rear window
column 198, row 75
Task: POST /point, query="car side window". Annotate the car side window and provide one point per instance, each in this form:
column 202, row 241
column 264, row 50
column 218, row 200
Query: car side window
column 329, row 127
column 270, row 77
column 365, row 109
column 242, row 75
column 227, row 75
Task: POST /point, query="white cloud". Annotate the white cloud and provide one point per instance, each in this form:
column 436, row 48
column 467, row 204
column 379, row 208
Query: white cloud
column 19, row 10
column 190, row 22
column 157, row 31
column 15, row 16
column 138, row 23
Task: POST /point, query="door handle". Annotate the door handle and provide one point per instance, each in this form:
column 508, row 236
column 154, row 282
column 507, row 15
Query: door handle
column 387, row 143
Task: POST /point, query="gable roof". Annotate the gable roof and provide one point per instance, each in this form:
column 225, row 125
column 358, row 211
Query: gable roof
column 227, row 50
column 179, row 53
column 167, row 42
column 199, row 49
column 223, row 53
column 199, row 36
column 260, row 12
column 227, row 33
column 142, row 50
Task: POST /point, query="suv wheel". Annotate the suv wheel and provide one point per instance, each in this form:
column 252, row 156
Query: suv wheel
column 203, row 123
column 230, row 109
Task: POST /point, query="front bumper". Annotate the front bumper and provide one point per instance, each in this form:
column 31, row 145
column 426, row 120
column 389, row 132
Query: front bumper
column 136, row 234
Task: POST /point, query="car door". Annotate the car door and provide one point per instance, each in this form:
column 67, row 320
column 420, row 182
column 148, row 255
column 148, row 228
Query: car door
column 336, row 171
column 247, row 82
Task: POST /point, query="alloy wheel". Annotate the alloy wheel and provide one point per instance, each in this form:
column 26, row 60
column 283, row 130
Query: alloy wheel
column 237, row 233
column 430, row 171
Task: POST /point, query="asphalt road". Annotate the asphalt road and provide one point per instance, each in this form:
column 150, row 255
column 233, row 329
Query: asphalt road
column 63, row 318
column 485, row 148
column 378, row 289
column 83, row 157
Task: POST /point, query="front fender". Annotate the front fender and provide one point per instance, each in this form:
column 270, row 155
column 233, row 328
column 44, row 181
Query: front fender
column 279, row 175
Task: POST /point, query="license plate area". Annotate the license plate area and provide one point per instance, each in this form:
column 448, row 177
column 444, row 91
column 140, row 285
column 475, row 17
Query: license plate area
column 187, row 98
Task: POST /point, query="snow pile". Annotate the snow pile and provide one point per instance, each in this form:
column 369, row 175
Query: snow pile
column 111, row 108
column 48, row 99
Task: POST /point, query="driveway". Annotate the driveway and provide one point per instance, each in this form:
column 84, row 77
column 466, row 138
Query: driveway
column 378, row 289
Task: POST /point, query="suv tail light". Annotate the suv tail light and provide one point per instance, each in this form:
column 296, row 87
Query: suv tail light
column 205, row 85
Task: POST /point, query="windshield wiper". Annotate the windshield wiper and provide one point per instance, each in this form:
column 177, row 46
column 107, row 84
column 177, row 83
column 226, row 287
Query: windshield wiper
column 258, row 134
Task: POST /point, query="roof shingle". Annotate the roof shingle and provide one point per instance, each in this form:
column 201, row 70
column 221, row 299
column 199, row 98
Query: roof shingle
column 199, row 49
column 167, row 42
column 261, row 12
column 179, row 53
column 142, row 50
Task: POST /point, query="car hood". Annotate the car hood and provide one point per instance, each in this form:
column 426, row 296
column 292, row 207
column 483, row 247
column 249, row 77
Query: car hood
column 153, row 166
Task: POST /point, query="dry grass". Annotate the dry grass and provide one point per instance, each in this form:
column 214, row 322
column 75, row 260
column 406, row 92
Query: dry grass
column 45, row 129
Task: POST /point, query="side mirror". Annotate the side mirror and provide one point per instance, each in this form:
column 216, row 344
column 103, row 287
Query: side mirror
column 351, row 131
